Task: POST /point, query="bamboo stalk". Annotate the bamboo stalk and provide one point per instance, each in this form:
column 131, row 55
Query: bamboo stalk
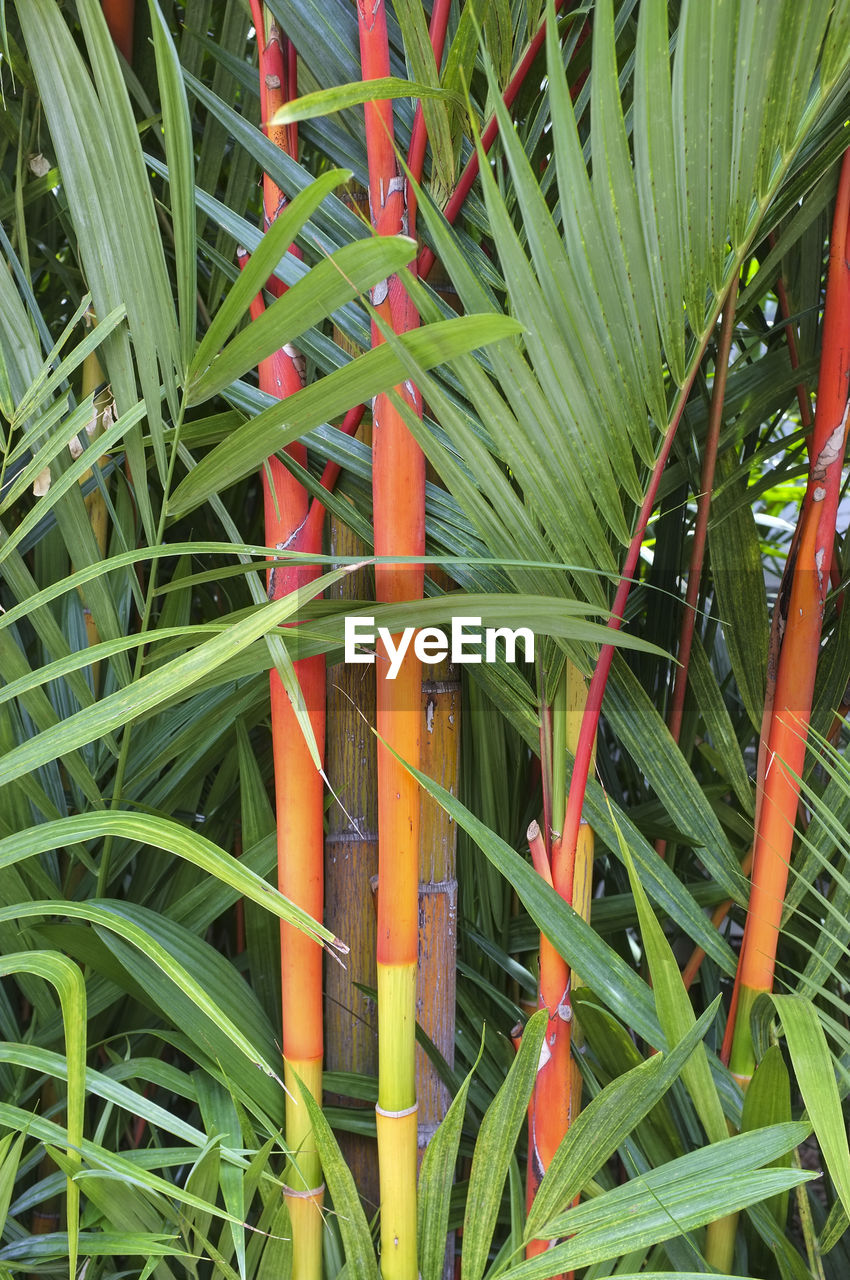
column 435, row 1003
column 399, row 528
column 351, row 844
column 398, row 490
column 556, row 1099
column 298, row 785
column 697, row 559
column 549, row 1107
column 351, row 861
column 437, row 30
column 801, row 602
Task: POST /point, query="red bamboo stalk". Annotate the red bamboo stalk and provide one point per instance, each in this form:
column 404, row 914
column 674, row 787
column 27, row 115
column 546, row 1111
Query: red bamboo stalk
column 539, row 856
column 712, row 439
column 808, row 578
column 120, row 15
column 566, row 852
column 419, row 136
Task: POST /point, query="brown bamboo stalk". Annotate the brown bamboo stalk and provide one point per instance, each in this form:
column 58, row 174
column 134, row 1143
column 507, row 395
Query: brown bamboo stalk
column 351, row 844
column 351, row 862
column 435, row 1001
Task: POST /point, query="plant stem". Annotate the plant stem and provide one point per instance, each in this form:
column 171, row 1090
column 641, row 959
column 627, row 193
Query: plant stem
column 801, row 605
column 299, row 793
column 593, row 709
column 488, row 137
column 712, row 439
column 399, row 525
column 419, row 136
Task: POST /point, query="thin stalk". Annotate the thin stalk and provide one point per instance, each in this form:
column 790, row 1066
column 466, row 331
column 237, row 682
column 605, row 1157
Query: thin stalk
column 437, row 30
column 712, row 440
column 586, row 742
column 330, row 475
column 399, row 526
column 718, row 915
column 546, row 770
column 488, row 137
column 803, row 402
column 801, row 604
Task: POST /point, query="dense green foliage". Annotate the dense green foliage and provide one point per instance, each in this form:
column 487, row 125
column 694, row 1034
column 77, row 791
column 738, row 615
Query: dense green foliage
column 139, row 1058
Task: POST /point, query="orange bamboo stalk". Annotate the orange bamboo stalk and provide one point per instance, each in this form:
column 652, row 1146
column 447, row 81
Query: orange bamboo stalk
column 556, row 1099
column 539, row 856
column 298, row 785
column 802, row 599
column 399, row 529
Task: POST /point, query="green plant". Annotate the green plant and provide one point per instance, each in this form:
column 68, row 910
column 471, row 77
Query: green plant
column 600, row 434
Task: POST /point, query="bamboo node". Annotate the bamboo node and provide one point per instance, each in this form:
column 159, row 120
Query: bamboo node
column 312, row 1194
column 397, row 1115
